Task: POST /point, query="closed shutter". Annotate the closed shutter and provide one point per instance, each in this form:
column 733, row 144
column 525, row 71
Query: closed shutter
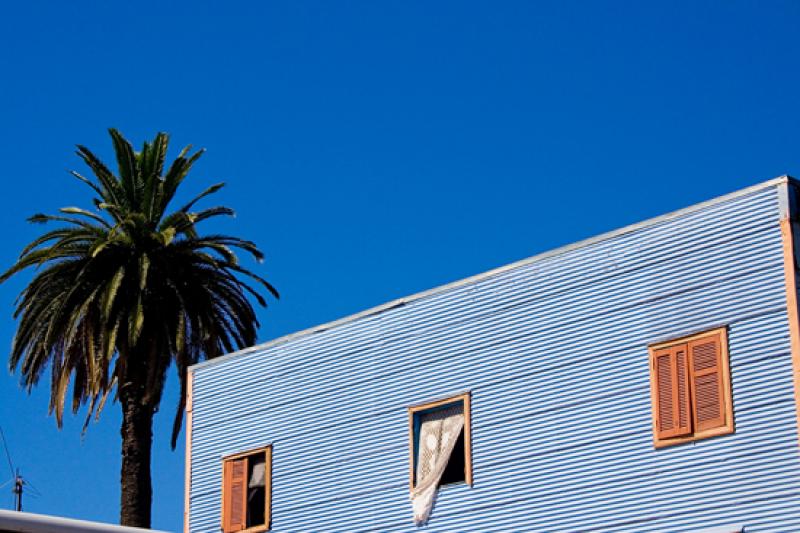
column 234, row 495
column 708, row 397
column 672, row 392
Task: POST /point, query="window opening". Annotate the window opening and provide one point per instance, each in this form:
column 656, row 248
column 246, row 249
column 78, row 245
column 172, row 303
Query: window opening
column 256, row 491
column 246, row 491
column 439, row 450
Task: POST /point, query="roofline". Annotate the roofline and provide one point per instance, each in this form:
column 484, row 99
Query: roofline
column 784, row 179
column 36, row 523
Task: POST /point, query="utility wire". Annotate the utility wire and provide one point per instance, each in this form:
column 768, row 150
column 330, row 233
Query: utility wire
column 16, row 477
column 36, row 492
column 10, row 463
column 8, row 454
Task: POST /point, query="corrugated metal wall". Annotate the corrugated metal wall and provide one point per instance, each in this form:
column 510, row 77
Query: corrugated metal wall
column 555, row 354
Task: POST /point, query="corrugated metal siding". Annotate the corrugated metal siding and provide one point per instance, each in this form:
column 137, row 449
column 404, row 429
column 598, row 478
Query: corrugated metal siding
column 555, row 354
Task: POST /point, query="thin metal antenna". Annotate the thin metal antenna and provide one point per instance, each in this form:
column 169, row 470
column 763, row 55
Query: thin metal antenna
column 18, row 488
column 16, row 476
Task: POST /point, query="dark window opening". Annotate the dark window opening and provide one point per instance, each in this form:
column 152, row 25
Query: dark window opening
column 256, row 491
column 456, row 469
column 246, row 489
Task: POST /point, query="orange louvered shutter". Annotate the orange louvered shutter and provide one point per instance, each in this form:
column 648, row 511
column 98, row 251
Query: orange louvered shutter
column 671, row 394
column 707, row 387
column 234, row 495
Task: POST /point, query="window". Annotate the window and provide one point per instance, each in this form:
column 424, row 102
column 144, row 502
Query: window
column 439, row 449
column 247, row 491
column 691, row 388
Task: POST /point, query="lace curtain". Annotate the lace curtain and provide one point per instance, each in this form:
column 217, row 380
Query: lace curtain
column 259, row 475
column 438, row 432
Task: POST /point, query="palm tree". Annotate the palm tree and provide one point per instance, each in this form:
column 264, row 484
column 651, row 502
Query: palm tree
column 122, row 292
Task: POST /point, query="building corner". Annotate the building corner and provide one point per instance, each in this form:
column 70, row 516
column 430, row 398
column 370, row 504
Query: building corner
column 789, row 200
column 187, row 482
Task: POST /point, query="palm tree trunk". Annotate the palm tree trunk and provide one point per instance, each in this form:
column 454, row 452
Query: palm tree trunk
column 137, row 441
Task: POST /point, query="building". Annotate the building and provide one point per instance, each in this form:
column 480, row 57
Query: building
column 645, row 380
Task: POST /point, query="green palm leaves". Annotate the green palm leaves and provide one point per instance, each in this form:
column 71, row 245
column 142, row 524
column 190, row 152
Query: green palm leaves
column 131, row 284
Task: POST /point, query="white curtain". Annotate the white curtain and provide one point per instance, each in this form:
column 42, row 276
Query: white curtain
column 438, row 432
column 259, row 475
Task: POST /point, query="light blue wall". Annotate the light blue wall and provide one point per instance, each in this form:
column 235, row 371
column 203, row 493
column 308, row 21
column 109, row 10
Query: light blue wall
column 555, row 354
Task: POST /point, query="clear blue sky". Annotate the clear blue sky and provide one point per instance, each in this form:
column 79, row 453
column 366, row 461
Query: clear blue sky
column 376, row 149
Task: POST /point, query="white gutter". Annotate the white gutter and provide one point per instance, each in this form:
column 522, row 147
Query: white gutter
column 17, row 522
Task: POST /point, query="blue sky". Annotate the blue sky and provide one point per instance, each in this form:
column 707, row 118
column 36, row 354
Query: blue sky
column 376, row 149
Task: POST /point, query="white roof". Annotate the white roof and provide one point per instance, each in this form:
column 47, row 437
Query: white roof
column 19, row 522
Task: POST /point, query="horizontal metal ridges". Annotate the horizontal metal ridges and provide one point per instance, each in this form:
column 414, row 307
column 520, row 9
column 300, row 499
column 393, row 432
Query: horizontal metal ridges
column 555, row 354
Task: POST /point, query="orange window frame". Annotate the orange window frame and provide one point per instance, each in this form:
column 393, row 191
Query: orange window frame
column 728, row 426
column 267, row 525
column 466, row 399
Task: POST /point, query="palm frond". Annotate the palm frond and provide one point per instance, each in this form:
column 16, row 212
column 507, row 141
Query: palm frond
column 209, row 191
column 88, row 214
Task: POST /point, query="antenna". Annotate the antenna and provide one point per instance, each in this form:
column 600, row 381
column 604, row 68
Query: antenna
column 16, row 477
column 18, row 488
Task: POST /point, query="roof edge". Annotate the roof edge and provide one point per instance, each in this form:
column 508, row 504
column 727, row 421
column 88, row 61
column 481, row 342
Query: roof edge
column 780, row 180
column 34, row 523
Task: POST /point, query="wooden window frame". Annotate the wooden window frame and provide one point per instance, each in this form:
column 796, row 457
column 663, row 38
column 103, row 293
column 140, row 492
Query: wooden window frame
column 725, row 375
column 267, row 525
column 466, row 399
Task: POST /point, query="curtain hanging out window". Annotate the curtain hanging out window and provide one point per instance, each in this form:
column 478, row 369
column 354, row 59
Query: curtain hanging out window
column 438, row 432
